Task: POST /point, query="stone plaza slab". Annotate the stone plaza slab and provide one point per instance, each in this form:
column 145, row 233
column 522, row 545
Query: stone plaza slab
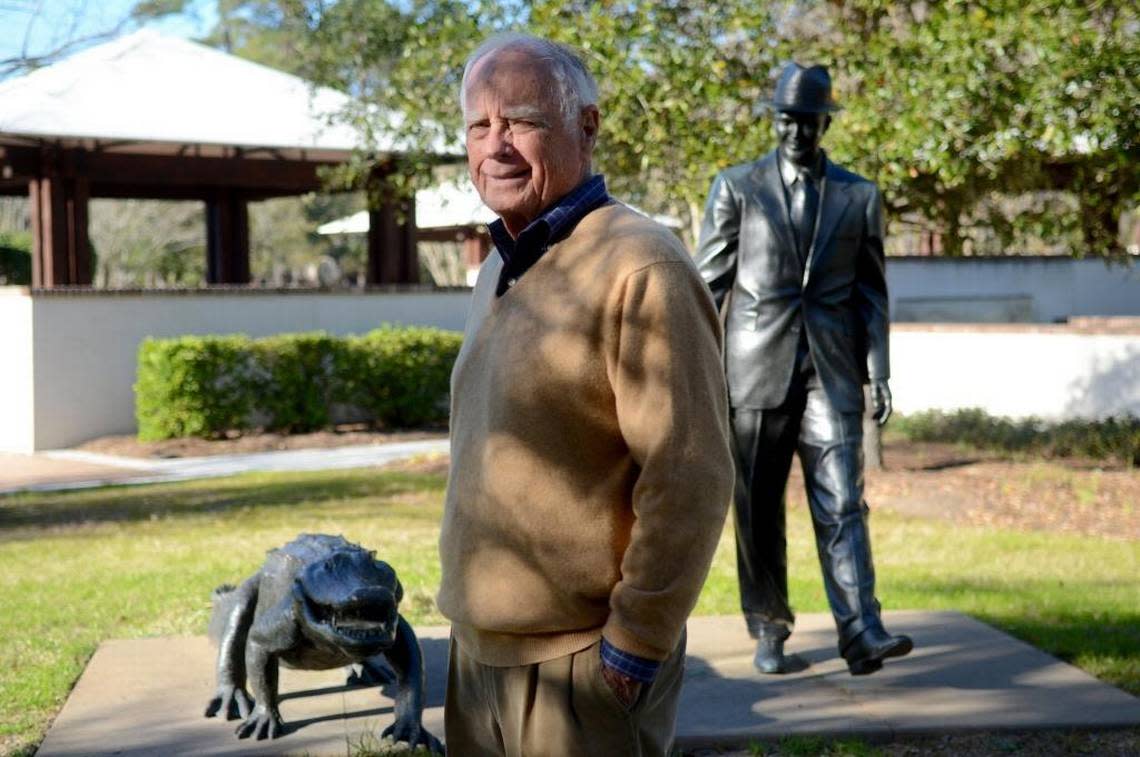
column 147, row 696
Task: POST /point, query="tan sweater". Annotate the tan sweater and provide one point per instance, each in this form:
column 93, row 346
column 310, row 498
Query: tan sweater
column 590, row 468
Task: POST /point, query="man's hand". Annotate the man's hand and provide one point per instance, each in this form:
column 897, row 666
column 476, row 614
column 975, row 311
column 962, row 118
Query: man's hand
column 625, row 688
column 881, row 400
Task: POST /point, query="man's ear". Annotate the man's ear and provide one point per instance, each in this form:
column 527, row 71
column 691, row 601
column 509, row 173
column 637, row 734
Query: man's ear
column 591, row 120
column 399, row 591
column 826, row 124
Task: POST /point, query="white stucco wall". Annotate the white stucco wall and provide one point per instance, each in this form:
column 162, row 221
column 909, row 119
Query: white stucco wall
column 67, row 360
column 1029, row 289
column 86, row 344
column 17, row 395
column 1052, row 372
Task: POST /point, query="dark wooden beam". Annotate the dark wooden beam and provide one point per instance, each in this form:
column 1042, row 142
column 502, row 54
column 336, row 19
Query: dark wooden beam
column 248, row 174
column 108, row 170
column 227, row 239
column 392, row 257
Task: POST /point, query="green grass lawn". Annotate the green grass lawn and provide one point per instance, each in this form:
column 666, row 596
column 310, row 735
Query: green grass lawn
column 86, row 566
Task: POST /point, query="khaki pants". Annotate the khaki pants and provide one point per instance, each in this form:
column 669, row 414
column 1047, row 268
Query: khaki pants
column 561, row 707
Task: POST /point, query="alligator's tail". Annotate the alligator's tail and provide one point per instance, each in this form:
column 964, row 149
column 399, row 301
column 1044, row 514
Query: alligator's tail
column 223, row 599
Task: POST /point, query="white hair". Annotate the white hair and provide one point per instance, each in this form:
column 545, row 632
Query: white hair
column 576, row 87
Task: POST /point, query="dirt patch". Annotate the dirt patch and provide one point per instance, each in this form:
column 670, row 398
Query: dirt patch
column 981, row 488
column 343, row 436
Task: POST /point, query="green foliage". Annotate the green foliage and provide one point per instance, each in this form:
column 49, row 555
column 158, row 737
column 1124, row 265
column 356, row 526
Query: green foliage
column 194, row 386
column 399, row 376
column 951, row 107
column 950, row 102
column 296, row 380
column 15, row 257
column 1110, row 439
column 815, row 746
column 210, row 385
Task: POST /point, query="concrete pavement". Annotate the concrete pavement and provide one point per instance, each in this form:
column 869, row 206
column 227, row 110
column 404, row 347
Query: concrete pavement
column 146, row 697
column 57, row 470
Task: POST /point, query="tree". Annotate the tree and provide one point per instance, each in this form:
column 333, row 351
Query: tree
column 950, row 106
column 949, row 103
column 148, row 243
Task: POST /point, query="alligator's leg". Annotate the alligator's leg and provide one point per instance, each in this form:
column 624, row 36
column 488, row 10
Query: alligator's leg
column 407, row 660
column 265, row 720
column 273, row 632
column 233, row 614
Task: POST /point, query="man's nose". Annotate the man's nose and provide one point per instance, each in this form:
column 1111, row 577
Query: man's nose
column 502, row 141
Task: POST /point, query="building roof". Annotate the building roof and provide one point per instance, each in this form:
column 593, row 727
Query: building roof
column 447, row 206
column 162, row 90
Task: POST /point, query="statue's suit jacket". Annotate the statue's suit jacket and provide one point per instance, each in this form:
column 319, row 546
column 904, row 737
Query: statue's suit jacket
column 838, row 295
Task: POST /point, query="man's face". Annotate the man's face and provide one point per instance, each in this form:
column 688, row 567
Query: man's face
column 800, row 134
column 522, row 154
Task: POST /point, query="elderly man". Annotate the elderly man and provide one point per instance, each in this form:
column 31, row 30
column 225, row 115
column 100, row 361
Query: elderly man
column 590, row 475
column 795, row 243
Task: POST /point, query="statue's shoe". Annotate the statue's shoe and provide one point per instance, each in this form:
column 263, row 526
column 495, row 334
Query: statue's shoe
column 770, row 654
column 866, row 653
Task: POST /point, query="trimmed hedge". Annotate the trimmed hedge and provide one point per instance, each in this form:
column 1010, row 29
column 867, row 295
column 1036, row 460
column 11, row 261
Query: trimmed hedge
column 1109, row 439
column 208, row 386
column 15, row 257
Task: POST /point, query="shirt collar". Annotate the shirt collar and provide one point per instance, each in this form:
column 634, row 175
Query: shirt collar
column 791, row 172
column 554, row 222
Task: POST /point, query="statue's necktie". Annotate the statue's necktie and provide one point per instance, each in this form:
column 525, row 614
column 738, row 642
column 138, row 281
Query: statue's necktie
column 805, row 203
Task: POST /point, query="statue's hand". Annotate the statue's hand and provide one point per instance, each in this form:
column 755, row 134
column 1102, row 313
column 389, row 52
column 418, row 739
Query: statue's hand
column 231, row 700
column 411, row 731
column 263, row 722
column 881, row 400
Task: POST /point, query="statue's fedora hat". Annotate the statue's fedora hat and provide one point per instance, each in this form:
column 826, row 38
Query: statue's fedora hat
column 803, row 90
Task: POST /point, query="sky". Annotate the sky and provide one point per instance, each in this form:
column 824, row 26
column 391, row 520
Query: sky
column 47, row 24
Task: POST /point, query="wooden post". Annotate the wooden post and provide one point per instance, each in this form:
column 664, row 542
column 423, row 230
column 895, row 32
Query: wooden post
column 392, row 257
column 61, row 251
column 227, row 239
column 476, row 247
column 79, row 245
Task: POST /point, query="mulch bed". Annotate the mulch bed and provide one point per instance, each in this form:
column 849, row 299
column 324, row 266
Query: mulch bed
column 984, row 489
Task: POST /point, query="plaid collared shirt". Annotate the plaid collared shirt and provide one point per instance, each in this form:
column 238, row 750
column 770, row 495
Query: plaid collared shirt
column 554, row 224
column 637, row 668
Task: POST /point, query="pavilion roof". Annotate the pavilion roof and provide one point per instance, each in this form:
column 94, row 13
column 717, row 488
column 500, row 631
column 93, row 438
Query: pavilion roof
column 167, row 92
column 445, row 206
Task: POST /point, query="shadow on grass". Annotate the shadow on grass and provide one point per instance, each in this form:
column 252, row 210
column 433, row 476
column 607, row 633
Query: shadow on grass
column 1065, row 627
column 148, row 502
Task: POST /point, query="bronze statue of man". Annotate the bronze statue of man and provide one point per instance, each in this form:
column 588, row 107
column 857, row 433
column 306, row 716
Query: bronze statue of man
column 792, row 248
